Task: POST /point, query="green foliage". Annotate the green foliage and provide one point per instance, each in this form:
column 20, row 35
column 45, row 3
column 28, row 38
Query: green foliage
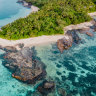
column 51, row 19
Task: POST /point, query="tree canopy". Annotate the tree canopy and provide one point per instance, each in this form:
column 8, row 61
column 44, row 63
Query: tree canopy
column 52, row 17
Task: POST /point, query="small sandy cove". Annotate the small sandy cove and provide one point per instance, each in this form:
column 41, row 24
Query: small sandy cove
column 45, row 39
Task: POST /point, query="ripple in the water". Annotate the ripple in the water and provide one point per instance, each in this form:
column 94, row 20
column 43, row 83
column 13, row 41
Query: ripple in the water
column 75, row 69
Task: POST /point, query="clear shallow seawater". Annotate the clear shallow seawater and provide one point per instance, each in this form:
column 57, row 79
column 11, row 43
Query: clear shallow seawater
column 10, row 86
column 10, row 11
column 75, row 69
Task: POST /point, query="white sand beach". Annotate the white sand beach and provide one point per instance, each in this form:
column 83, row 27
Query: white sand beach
column 45, row 39
column 31, row 41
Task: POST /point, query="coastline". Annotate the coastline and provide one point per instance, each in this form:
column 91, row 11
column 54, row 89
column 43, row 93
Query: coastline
column 31, row 41
column 32, row 8
column 34, row 41
column 82, row 25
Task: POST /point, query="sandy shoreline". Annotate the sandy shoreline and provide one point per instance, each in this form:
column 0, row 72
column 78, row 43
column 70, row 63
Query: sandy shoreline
column 31, row 41
column 45, row 39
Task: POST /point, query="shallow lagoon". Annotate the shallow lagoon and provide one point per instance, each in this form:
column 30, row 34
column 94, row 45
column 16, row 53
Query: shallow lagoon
column 10, row 11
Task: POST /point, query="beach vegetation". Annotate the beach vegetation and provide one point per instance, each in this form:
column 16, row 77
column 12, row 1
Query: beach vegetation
column 51, row 19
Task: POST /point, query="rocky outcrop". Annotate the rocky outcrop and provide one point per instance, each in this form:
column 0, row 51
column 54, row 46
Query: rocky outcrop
column 74, row 35
column 89, row 34
column 69, row 38
column 64, row 43
column 9, row 48
column 24, row 66
column 46, row 87
column 20, row 1
column 26, row 4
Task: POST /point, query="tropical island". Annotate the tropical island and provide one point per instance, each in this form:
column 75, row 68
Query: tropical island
column 46, row 70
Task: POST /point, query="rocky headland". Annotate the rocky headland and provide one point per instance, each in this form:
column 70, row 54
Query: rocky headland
column 29, row 5
column 71, row 36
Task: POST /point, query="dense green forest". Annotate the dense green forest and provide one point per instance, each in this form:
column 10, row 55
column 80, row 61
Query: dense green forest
column 52, row 17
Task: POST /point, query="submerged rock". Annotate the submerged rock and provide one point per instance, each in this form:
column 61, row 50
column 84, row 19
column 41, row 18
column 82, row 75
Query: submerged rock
column 24, row 67
column 62, row 92
column 46, row 87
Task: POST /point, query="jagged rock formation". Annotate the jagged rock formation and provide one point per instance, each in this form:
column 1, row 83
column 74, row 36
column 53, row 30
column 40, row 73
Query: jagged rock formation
column 64, row 43
column 25, row 66
column 69, row 38
column 46, row 87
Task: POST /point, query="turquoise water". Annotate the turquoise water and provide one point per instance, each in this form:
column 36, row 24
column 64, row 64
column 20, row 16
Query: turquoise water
column 75, row 69
column 10, row 11
column 10, row 86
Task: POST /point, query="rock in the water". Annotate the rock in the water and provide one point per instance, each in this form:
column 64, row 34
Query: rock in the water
column 29, row 75
column 10, row 48
column 25, row 4
column 24, row 67
column 20, row 1
column 62, row 92
column 89, row 34
column 46, row 87
column 64, row 43
column 76, row 38
column 69, row 38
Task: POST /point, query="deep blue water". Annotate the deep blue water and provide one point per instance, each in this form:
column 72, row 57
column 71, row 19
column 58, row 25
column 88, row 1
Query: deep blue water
column 10, row 11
